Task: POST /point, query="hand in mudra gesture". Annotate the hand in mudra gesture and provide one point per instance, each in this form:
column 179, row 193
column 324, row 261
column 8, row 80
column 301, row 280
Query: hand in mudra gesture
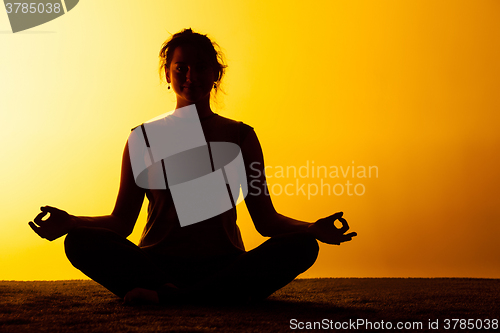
column 58, row 224
column 325, row 230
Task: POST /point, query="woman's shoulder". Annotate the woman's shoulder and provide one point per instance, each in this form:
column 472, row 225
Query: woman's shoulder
column 239, row 129
column 229, row 121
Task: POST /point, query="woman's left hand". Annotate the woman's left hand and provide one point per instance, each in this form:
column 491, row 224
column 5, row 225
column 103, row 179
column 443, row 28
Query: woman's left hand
column 58, row 224
column 325, row 230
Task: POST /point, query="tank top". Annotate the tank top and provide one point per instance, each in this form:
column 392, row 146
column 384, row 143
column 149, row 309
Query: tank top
column 214, row 237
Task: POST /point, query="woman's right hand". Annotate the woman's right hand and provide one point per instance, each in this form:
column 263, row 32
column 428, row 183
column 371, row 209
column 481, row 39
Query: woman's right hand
column 58, row 224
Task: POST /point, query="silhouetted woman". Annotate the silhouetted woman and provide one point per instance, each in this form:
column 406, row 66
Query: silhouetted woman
column 205, row 261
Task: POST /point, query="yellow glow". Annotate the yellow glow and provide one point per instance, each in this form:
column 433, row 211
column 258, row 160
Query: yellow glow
column 408, row 86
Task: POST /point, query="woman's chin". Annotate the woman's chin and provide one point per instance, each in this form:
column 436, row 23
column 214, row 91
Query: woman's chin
column 194, row 98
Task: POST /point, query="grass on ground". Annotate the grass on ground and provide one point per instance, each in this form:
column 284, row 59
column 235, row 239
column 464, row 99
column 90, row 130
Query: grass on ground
column 85, row 306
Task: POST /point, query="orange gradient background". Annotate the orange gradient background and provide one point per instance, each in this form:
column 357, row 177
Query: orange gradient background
column 411, row 87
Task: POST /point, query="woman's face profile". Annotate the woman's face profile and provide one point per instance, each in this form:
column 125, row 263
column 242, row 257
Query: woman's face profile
column 190, row 74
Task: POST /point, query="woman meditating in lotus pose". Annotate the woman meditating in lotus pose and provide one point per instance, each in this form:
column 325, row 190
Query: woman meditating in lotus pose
column 203, row 261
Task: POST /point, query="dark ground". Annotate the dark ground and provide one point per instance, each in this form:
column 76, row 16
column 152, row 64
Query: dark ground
column 84, row 306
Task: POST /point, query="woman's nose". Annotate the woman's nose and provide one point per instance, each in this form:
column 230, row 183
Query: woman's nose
column 190, row 75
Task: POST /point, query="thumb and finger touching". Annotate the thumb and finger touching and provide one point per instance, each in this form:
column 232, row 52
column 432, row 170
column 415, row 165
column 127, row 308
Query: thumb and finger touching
column 38, row 223
column 329, row 222
column 38, row 219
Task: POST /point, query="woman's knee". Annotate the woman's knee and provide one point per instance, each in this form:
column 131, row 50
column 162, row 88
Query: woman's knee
column 309, row 248
column 302, row 248
column 81, row 241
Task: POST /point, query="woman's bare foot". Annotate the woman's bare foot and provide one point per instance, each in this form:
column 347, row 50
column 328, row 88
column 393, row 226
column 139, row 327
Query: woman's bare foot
column 141, row 295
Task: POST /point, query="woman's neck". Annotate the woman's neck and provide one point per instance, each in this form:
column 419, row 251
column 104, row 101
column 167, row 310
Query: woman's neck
column 202, row 107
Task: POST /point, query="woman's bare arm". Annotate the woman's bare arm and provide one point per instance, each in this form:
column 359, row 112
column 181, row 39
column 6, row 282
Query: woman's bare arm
column 267, row 220
column 121, row 220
